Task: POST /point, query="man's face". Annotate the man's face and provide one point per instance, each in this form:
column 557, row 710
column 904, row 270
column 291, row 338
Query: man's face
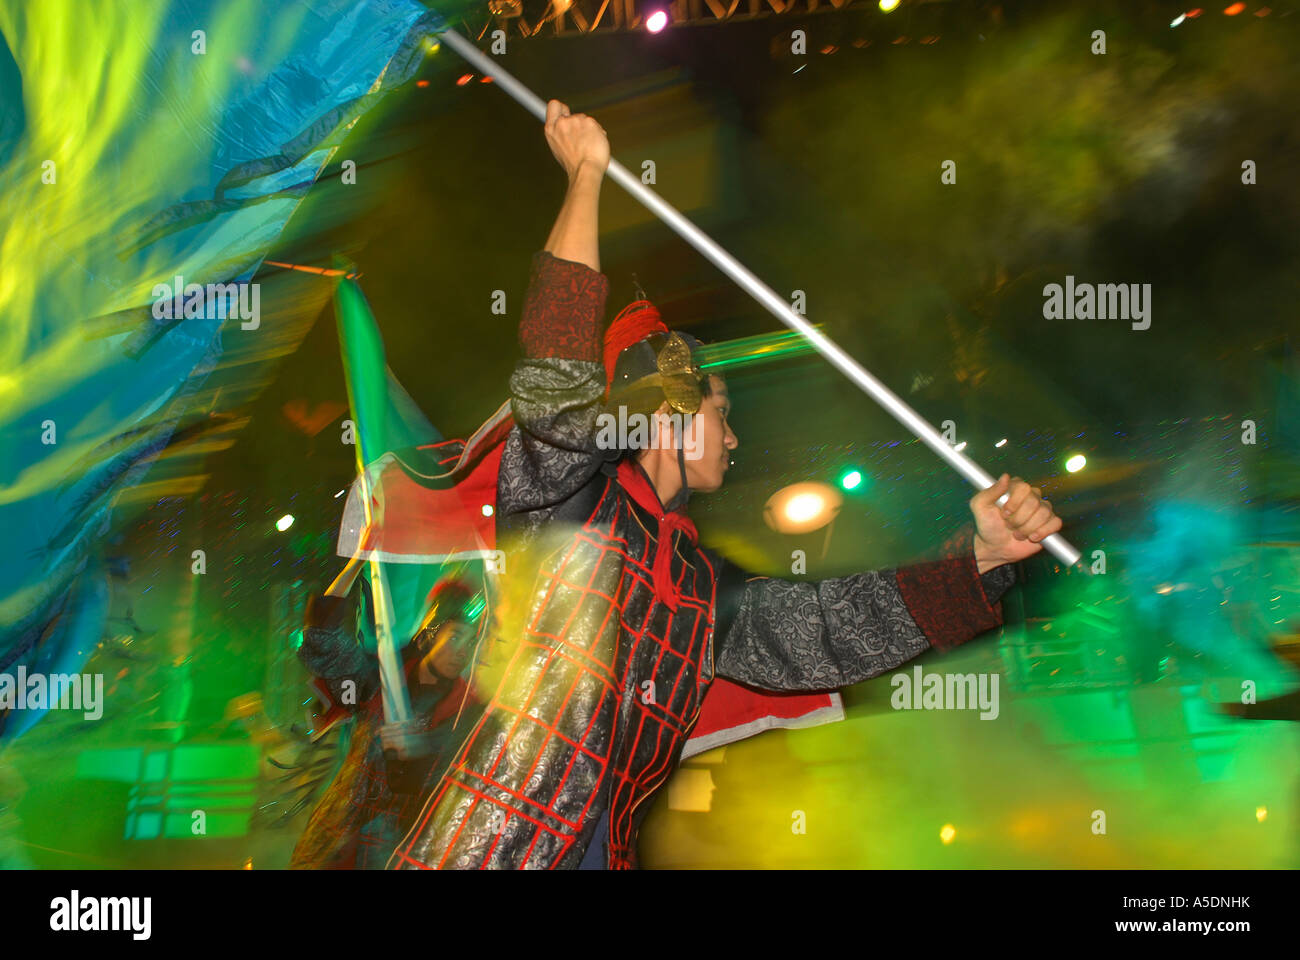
column 451, row 649
column 711, row 438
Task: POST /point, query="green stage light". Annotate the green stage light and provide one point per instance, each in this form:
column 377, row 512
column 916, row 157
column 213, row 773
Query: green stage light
column 851, row 480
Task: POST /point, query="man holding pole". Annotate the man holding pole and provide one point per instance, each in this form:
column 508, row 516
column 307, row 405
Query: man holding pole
column 630, row 620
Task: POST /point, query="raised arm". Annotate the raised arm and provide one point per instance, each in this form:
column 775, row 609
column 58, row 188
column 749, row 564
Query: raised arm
column 581, row 147
column 331, row 649
column 558, row 386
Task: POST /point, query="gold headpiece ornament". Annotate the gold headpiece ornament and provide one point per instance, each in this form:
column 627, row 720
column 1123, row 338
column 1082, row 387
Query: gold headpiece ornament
column 679, row 377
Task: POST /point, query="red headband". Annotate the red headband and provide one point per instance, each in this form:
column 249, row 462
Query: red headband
column 633, row 324
column 454, row 589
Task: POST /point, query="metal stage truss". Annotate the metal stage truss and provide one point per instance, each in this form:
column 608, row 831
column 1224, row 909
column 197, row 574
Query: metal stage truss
column 574, row 17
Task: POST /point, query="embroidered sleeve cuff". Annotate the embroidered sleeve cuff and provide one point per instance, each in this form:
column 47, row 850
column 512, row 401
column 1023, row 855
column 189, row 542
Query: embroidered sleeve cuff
column 563, row 310
column 997, row 581
column 947, row 600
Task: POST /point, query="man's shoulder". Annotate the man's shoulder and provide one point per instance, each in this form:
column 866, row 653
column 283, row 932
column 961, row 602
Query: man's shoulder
column 574, row 511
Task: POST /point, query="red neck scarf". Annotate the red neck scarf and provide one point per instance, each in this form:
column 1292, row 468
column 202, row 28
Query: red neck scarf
column 636, row 482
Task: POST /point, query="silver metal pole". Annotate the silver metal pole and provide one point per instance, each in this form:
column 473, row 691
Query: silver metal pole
column 764, row 294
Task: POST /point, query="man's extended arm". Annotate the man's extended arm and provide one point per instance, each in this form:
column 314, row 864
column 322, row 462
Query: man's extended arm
column 780, row 635
column 786, row 636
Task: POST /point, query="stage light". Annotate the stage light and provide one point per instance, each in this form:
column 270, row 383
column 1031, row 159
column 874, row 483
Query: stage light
column 948, row 833
column 851, row 480
column 1233, row 9
column 1177, row 20
column 888, row 6
column 463, row 79
column 802, row 507
column 487, row 510
column 1261, row 814
column 284, row 523
column 1001, row 443
column 656, row 21
column 339, row 494
column 960, row 447
column 1076, row 463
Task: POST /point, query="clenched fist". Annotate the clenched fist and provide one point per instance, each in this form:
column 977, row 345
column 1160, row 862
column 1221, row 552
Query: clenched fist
column 576, row 139
column 1014, row 530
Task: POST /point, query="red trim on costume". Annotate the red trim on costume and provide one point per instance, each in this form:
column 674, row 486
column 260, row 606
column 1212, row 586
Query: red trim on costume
column 632, row 478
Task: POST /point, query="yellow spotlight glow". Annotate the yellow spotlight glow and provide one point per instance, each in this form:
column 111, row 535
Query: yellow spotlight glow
column 1261, row 814
column 284, row 523
column 802, row 507
column 888, row 6
column 948, row 833
column 691, row 789
column 1076, row 463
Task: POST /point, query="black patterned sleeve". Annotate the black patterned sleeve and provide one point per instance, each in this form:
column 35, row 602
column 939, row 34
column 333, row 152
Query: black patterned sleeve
column 783, row 635
column 557, row 389
column 331, row 652
column 551, row 452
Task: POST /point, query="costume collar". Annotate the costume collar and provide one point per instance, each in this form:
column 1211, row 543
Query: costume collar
column 633, row 478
